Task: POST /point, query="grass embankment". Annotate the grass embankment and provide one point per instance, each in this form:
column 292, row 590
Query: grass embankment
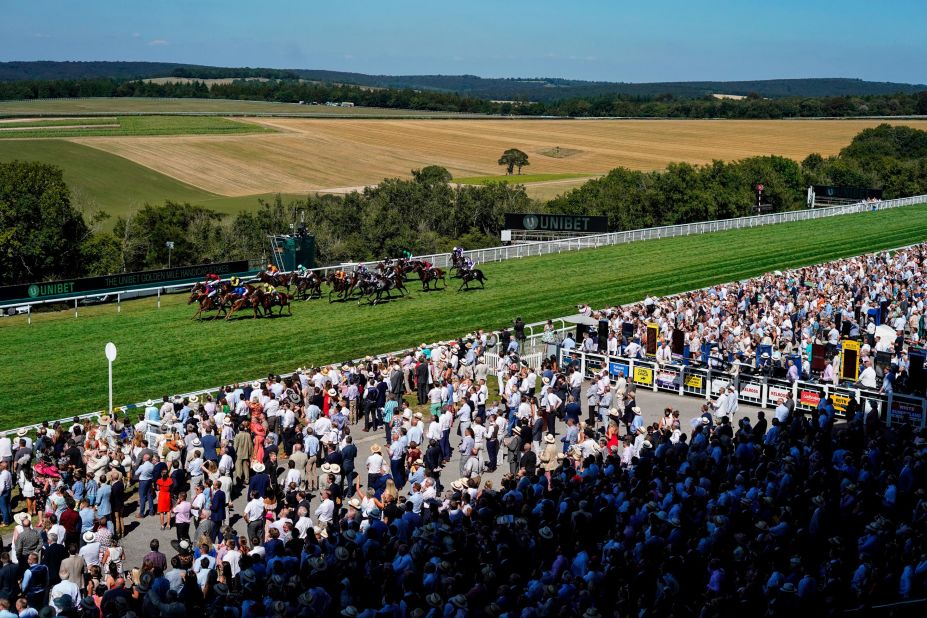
column 56, row 367
column 132, row 126
column 102, row 180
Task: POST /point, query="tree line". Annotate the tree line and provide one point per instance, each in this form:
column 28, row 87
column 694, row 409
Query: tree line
column 44, row 235
column 623, row 105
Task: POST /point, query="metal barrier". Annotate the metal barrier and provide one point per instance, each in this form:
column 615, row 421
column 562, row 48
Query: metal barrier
column 760, row 391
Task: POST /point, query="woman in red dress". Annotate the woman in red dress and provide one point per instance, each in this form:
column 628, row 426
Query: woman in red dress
column 164, row 499
column 259, row 430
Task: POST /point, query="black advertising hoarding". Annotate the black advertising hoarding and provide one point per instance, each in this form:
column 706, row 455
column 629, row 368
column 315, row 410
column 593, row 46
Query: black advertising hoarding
column 847, row 193
column 124, row 281
column 581, row 224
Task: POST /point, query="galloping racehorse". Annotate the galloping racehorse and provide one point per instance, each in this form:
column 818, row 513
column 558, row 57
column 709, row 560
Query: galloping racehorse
column 342, row 284
column 253, row 300
column 284, row 279
column 471, row 274
column 276, row 299
column 207, row 302
column 427, row 275
column 309, row 286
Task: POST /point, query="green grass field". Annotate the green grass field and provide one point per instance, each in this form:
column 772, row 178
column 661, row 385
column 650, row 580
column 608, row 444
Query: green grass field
column 57, row 122
column 145, row 125
column 144, row 105
column 517, row 179
column 55, row 367
column 112, row 183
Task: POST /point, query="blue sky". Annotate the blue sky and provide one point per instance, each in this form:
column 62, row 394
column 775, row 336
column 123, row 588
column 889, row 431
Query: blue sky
column 653, row 41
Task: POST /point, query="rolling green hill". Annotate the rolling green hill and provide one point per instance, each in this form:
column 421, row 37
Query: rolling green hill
column 58, row 367
column 112, row 183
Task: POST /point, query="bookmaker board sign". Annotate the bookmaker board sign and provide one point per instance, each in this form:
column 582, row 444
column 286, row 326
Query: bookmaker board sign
column 556, row 223
column 123, row 281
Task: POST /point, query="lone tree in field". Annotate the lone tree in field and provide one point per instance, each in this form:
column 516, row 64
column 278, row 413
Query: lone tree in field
column 512, row 158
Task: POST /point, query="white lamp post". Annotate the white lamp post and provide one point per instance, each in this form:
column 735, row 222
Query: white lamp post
column 110, row 351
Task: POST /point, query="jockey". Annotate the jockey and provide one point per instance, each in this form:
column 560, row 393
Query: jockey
column 301, row 271
column 427, row 265
column 238, row 289
column 271, row 270
column 468, row 263
column 457, row 252
column 268, row 289
column 212, row 284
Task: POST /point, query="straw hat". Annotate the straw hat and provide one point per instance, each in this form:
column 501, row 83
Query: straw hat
column 374, row 448
column 89, row 537
column 22, row 431
column 332, row 392
column 549, row 438
column 326, row 468
column 255, row 384
column 194, row 399
column 636, row 410
column 149, row 403
column 354, row 502
column 257, row 467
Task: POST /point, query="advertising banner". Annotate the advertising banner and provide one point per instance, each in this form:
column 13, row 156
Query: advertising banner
column 777, row 392
column 693, row 381
column 753, row 391
column 840, row 402
column 122, row 281
column 667, row 379
column 717, row 385
column 906, row 412
column 614, row 368
column 643, row 375
column 535, row 222
column 809, row 398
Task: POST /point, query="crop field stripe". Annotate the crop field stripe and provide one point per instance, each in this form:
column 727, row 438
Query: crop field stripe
column 309, row 154
column 58, row 366
column 133, row 126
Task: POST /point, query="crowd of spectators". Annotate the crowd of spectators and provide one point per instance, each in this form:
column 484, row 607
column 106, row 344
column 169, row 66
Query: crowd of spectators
column 367, row 489
column 772, row 322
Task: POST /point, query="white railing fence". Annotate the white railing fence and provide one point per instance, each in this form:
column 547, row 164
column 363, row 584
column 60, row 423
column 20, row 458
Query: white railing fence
column 594, row 241
column 757, row 390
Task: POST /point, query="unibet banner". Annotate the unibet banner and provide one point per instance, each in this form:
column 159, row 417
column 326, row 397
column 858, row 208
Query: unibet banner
column 556, row 223
column 114, row 283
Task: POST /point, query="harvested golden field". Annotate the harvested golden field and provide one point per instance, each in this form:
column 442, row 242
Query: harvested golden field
column 310, row 154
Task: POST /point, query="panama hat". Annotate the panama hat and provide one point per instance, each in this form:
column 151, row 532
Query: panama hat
column 354, row 502
column 22, row 431
column 177, row 399
column 89, row 537
column 257, row 466
column 374, row 448
column 104, row 419
column 636, row 410
column 457, row 485
column 20, row 518
column 434, row 599
column 326, row 467
column 149, row 403
column 335, row 469
column 255, row 384
column 196, row 442
column 459, row 601
column 545, row 380
column 418, row 462
column 549, row 438
column 646, row 444
column 332, row 392
column 194, row 399
column 546, row 532
column 516, row 431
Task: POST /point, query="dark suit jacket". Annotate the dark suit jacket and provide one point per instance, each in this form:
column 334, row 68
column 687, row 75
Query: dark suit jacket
column 529, row 461
column 217, row 506
column 117, row 497
column 9, row 582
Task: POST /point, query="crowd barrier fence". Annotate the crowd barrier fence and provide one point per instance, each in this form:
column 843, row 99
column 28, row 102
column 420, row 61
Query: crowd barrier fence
column 757, row 390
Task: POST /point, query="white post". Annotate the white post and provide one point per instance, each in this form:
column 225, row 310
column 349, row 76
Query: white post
column 159, row 298
column 118, row 303
column 110, row 352
column 29, row 313
column 75, row 307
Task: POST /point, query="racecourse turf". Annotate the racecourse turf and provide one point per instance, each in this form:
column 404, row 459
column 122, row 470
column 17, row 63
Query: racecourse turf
column 55, row 367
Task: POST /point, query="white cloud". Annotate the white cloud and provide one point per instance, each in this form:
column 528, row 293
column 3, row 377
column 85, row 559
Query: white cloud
column 136, row 35
column 158, row 43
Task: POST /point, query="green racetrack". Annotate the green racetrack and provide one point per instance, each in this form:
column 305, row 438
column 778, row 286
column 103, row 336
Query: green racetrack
column 55, row 367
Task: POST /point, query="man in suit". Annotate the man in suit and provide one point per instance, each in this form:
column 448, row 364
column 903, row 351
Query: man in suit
column 217, row 507
column 9, row 578
column 52, row 556
column 421, row 381
column 72, row 568
column 396, row 386
column 243, row 445
column 529, row 460
column 348, row 455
